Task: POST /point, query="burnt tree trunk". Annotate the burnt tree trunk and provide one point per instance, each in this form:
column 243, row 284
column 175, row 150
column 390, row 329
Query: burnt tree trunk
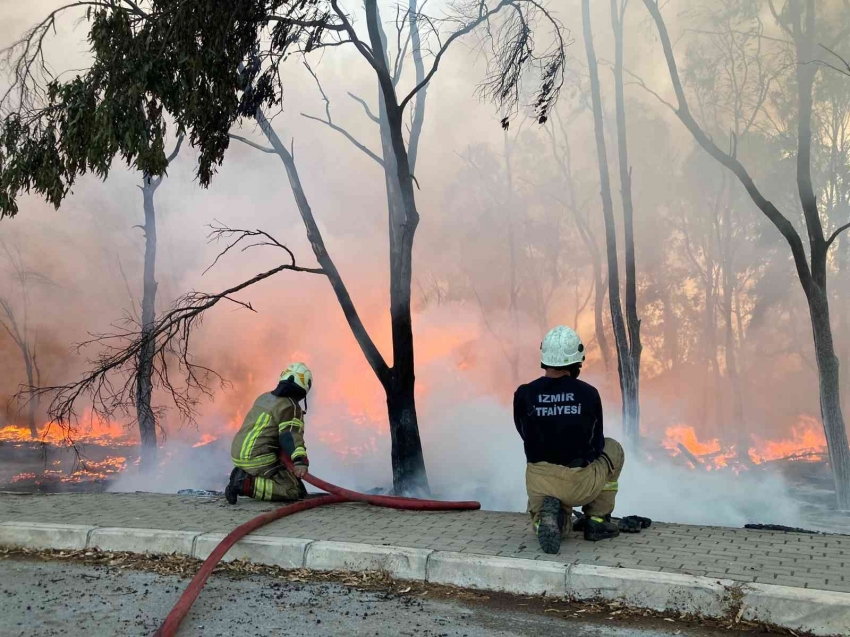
column 816, row 285
column 843, row 307
column 408, row 463
column 144, row 366
column 145, row 363
column 407, row 460
column 830, row 393
column 628, row 386
column 631, row 379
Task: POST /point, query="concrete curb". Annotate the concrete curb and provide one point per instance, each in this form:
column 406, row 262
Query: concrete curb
column 823, row 613
column 656, row 591
column 493, row 573
column 399, row 562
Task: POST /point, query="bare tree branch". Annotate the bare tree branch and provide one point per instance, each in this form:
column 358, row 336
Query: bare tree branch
column 110, row 384
column 366, row 108
column 252, row 144
column 835, row 234
column 222, row 233
column 328, row 121
column 176, row 150
column 482, row 16
column 314, row 235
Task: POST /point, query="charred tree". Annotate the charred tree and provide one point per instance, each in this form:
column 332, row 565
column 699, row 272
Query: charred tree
column 799, row 25
column 407, row 460
column 145, row 366
column 625, row 366
column 631, row 379
column 398, row 160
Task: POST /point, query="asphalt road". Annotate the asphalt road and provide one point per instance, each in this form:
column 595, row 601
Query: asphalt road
column 60, row 598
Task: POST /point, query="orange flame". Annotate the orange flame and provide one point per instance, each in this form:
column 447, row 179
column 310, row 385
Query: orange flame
column 91, row 431
column 710, row 452
column 205, row 440
column 807, row 441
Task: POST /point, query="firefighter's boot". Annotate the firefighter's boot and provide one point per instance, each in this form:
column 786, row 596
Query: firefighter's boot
column 596, row 528
column 633, row 524
column 241, row 483
column 550, row 525
column 580, row 522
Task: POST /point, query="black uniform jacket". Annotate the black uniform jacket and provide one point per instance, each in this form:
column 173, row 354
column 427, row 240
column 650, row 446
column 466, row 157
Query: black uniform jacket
column 560, row 421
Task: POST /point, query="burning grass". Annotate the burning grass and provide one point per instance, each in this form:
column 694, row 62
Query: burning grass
column 93, row 432
column 806, row 444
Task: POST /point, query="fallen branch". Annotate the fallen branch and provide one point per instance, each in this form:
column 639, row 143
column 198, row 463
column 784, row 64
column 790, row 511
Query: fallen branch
column 690, row 457
column 110, row 384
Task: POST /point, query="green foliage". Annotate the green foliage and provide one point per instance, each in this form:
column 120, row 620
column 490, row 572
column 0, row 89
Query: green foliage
column 202, row 64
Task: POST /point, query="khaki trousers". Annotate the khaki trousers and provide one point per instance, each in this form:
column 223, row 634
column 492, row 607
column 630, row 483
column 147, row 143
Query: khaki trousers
column 276, row 484
column 593, row 488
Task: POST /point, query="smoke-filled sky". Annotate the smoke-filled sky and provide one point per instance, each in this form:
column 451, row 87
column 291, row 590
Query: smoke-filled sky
column 471, row 205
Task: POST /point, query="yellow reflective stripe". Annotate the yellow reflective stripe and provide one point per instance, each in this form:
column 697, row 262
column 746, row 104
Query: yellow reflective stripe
column 595, row 519
column 299, row 451
column 611, row 486
column 259, row 461
column 295, row 423
column 243, row 453
column 248, row 445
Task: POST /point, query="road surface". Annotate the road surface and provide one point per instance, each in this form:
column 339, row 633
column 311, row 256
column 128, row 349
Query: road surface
column 73, row 599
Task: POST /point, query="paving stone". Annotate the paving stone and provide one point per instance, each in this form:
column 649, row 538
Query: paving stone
column 800, row 560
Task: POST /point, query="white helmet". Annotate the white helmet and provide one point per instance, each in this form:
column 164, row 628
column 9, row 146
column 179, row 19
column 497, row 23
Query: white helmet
column 561, row 347
column 299, row 374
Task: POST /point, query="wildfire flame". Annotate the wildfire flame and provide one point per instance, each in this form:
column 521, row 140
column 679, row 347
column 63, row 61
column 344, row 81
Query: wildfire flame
column 93, row 432
column 807, row 442
column 205, row 440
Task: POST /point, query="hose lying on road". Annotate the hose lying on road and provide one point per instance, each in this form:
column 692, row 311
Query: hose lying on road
column 337, row 494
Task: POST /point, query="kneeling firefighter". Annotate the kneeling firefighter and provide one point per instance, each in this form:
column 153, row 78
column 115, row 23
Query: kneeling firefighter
column 273, row 425
column 570, row 462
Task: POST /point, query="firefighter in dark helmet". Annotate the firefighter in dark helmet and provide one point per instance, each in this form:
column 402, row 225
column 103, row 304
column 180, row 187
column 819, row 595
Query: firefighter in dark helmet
column 570, row 462
column 273, row 425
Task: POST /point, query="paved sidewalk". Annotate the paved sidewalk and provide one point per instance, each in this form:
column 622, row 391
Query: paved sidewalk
column 788, row 559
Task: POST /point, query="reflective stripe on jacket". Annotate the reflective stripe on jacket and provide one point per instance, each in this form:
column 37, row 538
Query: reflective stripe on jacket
column 270, row 419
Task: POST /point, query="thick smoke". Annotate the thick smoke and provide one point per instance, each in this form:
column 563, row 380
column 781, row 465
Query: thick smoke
column 498, row 259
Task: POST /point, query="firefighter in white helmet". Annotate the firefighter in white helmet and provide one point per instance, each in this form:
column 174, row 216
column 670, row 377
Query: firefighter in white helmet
column 570, row 461
column 273, row 425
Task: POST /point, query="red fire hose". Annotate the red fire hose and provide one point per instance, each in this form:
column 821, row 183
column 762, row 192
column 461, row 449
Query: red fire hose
column 181, row 608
